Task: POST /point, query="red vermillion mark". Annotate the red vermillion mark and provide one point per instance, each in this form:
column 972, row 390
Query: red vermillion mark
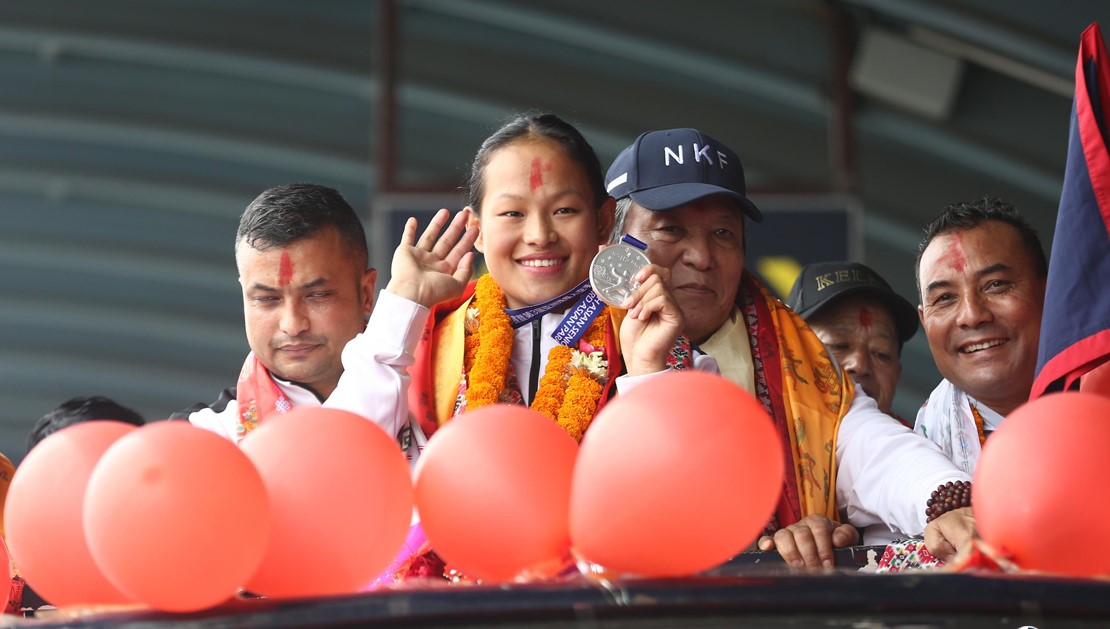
column 285, row 274
column 536, row 180
column 955, row 255
column 865, row 317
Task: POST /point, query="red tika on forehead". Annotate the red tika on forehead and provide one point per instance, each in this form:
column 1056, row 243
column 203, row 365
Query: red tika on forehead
column 536, row 178
column 954, row 257
column 285, row 273
column 865, row 317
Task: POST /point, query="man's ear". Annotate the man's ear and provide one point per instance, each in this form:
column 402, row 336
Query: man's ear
column 921, row 314
column 473, row 221
column 369, row 279
column 606, row 217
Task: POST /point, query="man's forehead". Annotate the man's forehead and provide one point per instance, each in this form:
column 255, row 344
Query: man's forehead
column 324, row 246
column 717, row 208
column 850, row 330
column 856, row 307
column 289, row 260
column 989, row 244
column 259, row 257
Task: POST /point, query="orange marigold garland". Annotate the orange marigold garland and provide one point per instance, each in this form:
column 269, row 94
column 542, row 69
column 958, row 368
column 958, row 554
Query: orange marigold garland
column 571, row 385
column 487, row 377
column 553, row 386
column 585, row 372
column 470, row 350
column 579, row 405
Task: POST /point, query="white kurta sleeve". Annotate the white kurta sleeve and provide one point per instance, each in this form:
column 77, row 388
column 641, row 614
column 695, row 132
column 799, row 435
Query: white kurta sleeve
column 222, row 423
column 375, row 377
column 702, row 362
column 885, row 472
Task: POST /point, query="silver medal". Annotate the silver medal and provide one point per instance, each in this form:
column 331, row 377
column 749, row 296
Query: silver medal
column 612, row 270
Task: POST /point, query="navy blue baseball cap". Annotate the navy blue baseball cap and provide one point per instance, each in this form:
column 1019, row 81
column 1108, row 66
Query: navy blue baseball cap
column 665, row 169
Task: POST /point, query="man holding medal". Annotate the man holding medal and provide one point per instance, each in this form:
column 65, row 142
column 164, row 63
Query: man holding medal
column 683, row 194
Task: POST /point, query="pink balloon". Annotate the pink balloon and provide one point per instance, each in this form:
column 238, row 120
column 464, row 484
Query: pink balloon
column 341, row 498
column 493, row 492
column 176, row 516
column 1036, row 485
column 675, row 477
column 44, row 514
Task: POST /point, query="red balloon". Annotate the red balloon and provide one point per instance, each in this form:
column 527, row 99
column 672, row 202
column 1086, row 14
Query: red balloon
column 493, row 490
column 176, row 516
column 675, row 477
column 341, row 499
column 44, row 510
column 1036, row 485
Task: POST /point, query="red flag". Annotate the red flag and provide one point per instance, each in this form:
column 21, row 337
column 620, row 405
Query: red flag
column 1075, row 327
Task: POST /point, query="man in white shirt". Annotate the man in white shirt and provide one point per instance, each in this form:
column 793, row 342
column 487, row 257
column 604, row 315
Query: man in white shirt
column 981, row 274
column 307, row 290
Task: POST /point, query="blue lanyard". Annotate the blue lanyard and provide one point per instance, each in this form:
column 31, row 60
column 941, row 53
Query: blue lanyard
column 523, row 316
column 578, row 318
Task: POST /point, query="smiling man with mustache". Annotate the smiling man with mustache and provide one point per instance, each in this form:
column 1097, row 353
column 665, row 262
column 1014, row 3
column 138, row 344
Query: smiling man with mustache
column 981, row 275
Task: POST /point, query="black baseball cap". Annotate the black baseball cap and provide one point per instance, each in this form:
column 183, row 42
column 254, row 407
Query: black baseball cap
column 665, row 169
column 822, row 283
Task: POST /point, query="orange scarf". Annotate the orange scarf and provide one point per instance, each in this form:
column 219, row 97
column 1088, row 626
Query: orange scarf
column 800, row 387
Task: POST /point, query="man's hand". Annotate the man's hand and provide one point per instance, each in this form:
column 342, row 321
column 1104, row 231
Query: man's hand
column 433, row 269
column 653, row 323
column 950, row 533
column 809, row 542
